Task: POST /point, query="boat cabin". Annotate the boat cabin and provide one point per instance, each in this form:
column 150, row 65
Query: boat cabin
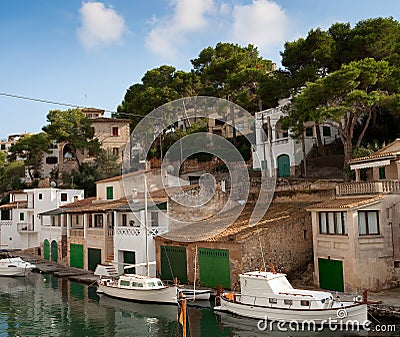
column 274, row 290
column 139, row 282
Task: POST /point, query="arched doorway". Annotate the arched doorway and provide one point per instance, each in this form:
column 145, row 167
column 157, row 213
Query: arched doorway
column 46, row 249
column 283, row 166
column 54, row 251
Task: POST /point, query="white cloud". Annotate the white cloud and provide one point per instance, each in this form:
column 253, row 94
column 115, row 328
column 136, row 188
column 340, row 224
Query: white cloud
column 101, row 26
column 262, row 23
column 168, row 33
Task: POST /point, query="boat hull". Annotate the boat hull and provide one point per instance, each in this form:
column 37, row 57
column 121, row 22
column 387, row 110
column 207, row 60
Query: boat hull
column 167, row 295
column 348, row 313
column 196, row 295
column 15, row 267
column 14, row 271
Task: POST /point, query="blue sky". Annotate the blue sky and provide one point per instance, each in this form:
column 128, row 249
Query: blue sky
column 88, row 53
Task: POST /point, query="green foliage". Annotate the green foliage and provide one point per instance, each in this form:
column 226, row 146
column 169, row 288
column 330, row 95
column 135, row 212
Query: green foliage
column 364, row 151
column 232, row 72
column 343, row 97
column 159, row 86
column 3, row 158
column 11, row 175
column 31, row 148
column 73, row 127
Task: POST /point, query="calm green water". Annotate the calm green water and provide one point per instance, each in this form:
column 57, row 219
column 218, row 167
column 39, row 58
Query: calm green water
column 42, row 305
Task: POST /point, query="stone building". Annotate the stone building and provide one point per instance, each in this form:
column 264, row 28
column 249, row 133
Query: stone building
column 112, row 133
column 212, row 253
column 356, row 236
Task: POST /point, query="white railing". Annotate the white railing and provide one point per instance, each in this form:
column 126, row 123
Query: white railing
column 368, row 187
column 5, row 222
column 25, row 227
column 138, row 231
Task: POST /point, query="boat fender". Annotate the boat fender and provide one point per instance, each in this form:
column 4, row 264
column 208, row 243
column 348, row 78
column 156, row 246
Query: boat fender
column 230, row 296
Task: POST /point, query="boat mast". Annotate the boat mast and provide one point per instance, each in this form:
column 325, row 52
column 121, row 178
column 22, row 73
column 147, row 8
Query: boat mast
column 145, row 226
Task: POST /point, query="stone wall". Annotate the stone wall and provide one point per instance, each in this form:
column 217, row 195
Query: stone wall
column 287, row 244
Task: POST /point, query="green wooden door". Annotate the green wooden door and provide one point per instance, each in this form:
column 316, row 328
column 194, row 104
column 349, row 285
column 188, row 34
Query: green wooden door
column 76, row 255
column 173, row 263
column 283, row 166
column 54, row 251
column 94, row 258
column 46, row 249
column 129, row 257
column 331, row 274
column 214, row 267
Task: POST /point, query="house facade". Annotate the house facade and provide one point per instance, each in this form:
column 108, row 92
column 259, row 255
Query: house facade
column 112, row 133
column 356, row 236
column 285, row 152
column 21, row 226
column 110, row 227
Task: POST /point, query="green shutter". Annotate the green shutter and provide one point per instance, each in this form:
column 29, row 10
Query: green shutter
column 129, row 257
column 214, row 267
column 94, row 258
column 382, row 173
column 46, row 249
column 331, row 274
column 76, row 255
column 110, row 194
column 173, row 263
column 21, row 216
column 54, row 251
column 283, row 166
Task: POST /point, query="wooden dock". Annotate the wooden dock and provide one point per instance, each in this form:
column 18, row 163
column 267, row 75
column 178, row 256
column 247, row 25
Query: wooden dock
column 49, row 267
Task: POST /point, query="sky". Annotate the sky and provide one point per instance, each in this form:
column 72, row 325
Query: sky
column 88, row 53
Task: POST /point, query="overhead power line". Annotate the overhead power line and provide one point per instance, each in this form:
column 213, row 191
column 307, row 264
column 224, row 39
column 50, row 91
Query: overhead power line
column 46, row 101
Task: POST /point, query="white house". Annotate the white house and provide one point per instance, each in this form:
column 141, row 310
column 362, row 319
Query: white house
column 284, row 151
column 21, row 227
column 133, row 243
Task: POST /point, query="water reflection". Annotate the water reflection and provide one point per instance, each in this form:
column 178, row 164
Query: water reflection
column 43, row 305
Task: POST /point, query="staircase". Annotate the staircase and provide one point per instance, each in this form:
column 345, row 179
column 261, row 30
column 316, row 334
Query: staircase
column 105, row 270
column 109, row 260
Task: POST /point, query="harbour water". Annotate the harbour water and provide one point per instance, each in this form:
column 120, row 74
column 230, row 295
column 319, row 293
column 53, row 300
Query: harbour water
column 44, row 305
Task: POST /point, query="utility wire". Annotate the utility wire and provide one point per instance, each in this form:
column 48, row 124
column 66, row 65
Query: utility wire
column 40, row 100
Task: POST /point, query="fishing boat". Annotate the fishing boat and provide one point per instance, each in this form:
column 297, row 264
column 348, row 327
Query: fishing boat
column 136, row 287
column 139, row 288
column 269, row 295
column 14, row 266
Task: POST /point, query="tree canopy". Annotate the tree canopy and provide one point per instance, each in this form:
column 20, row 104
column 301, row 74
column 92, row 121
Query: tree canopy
column 73, row 127
column 345, row 98
column 31, row 148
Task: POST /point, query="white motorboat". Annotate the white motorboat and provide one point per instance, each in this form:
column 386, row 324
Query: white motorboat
column 138, row 288
column 14, row 266
column 270, row 296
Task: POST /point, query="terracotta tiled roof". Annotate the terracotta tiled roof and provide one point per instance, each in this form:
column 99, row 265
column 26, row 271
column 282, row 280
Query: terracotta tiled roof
column 113, row 120
column 15, row 204
column 390, row 150
column 116, row 178
column 221, row 231
column 346, row 203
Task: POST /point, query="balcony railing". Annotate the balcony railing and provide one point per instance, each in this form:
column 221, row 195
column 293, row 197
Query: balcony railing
column 5, row 222
column 138, row 231
column 368, row 187
column 25, row 227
